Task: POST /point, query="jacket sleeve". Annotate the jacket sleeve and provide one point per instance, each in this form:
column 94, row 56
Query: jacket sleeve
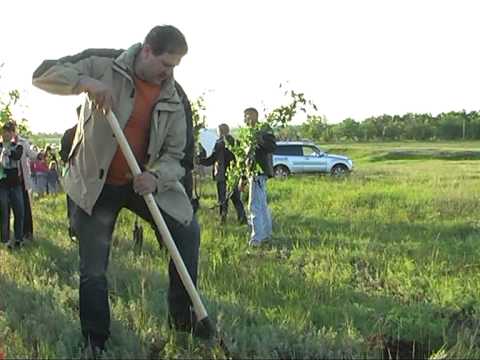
column 61, row 77
column 29, row 152
column 167, row 167
column 221, row 155
column 187, row 161
column 209, row 161
column 267, row 142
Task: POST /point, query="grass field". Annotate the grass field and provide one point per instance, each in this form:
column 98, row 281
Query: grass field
column 383, row 264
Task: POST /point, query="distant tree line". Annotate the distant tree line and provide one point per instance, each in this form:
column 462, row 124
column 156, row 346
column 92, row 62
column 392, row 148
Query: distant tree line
column 454, row 125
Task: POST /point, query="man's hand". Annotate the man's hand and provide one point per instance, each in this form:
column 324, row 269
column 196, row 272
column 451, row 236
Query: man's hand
column 145, row 183
column 98, row 92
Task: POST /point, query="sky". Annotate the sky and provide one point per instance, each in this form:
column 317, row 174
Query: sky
column 352, row 58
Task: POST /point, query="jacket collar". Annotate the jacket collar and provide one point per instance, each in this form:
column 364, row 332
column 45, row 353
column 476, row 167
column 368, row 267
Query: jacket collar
column 126, row 62
column 19, row 139
column 11, row 143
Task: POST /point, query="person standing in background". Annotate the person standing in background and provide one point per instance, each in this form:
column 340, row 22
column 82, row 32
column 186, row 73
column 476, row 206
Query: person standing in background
column 53, row 179
column 11, row 194
column 260, row 215
column 40, row 171
column 221, row 158
column 28, row 155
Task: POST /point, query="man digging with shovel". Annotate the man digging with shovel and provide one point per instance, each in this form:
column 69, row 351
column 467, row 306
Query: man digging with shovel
column 138, row 87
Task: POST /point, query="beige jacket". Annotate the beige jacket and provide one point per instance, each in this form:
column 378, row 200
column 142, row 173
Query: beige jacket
column 27, row 155
column 94, row 145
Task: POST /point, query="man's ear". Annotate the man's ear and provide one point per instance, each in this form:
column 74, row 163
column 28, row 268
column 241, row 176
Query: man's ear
column 147, row 50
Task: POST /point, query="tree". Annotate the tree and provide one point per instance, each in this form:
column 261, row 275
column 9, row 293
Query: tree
column 7, row 102
column 245, row 165
column 314, row 128
column 368, row 129
column 199, row 119
column 450, row 126
column 6, row 106
column 289, row 132
column 473, row 126
column 348, row 129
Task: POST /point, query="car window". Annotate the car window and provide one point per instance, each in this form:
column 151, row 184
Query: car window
column 289, row 150
column 309, row 151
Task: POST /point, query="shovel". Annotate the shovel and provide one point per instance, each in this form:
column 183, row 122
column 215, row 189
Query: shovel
column 203, row 328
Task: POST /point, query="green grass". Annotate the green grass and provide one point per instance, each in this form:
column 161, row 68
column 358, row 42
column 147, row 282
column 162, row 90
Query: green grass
column 408, row 150
column 383, row 263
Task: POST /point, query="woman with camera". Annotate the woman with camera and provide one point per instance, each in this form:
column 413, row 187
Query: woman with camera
column 11, row 193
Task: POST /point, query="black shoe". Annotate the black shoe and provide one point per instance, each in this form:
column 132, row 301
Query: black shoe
column 202, row 330
column 13, row 244
column 91, row 352
column 28, row 236
column 92, row 348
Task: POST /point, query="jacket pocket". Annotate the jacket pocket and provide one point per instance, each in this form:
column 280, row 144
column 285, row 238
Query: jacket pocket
column 169, row 107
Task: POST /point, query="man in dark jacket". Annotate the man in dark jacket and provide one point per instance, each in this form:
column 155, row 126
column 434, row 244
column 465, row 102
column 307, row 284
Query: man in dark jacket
column 221, row 158
column 65, row 147
column 260, row 215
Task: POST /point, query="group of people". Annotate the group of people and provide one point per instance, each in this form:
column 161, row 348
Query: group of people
column 221, row 159
column 45, row 170
column 23, row 172
column 138, row 86
column 15, row 186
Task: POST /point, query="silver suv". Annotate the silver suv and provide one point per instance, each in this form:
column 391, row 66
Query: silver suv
column 305, row 157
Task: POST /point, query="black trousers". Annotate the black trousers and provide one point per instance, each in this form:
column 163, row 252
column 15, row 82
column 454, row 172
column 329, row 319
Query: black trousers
column 27, row 219
column 94, row 234
column 12, row 197
column 235, row 197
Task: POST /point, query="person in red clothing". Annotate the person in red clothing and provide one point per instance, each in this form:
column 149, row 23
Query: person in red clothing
column 136, row 132
column 39, row 170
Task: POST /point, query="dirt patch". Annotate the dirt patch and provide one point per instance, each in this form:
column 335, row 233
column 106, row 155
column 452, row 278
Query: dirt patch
column 427, row 154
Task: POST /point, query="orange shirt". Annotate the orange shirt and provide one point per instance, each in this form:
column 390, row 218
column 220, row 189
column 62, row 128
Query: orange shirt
column 136, row 131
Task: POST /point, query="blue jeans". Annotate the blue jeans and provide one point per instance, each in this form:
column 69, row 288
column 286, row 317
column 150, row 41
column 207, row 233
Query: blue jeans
column 260, row 216
column 12, row 196
column 94, row 233
column 41, row 183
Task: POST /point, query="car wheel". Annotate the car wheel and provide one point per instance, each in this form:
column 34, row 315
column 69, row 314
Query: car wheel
column 281, row 171
column 339, row 170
